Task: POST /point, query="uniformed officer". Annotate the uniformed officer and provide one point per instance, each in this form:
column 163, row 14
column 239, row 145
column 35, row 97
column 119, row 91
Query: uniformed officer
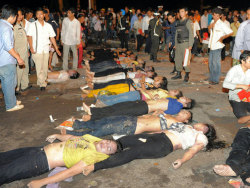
column 184, row 39
column 156, row 32
column 123, row 25
column 21, row 47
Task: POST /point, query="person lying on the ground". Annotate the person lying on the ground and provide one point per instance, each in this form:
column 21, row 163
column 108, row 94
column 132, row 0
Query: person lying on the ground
column 138, row 108
column 62, row 76
column 147, row 69
column 73, row 152
column 158, row 82
column 140, row 94
column 101, row 65
column 149, row 146
column 238, row 80
column 115, row 87
column 128, row 125
column 238, row 163
column 119, row 73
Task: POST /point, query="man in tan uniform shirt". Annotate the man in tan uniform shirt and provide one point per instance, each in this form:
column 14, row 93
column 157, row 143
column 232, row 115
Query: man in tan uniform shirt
column 21, row 47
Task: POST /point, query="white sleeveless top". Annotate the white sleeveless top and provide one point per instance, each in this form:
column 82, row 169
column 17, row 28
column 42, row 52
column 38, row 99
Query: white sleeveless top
column 187, row 135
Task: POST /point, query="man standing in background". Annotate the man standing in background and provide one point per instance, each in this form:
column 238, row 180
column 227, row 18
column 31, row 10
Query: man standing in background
column 70, row 37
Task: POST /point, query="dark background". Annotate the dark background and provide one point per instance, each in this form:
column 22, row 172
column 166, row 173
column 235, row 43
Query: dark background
column 142, row 4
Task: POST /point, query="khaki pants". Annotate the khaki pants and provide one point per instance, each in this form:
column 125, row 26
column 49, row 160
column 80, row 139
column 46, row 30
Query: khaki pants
column 41, row 62
column 23, row 75
column 66, row 49
column 179, row 56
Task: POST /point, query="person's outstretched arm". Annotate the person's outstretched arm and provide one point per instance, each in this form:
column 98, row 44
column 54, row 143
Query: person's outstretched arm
column 188, row 155
column 60, row 137
column 74, row 170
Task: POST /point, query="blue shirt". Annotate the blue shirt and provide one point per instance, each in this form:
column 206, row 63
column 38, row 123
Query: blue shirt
column 174, row 107
column 6, row 43
column 210, row 18
column 133, row 19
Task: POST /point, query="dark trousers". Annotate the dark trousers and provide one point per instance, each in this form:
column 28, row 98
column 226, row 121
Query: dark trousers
column 223, row 53
column 109, row 72
column 106, row 126
column 139, row 42
column 155, row 46
column 131, row 108
column 148, row 43
column 195, row 46
column 240, row 109
column 239, row 158
column 104, row 65
column 22, row 163
column 113, row 82
column 124, row 39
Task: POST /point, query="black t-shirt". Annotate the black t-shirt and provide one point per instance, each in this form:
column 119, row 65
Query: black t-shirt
column 54, row 24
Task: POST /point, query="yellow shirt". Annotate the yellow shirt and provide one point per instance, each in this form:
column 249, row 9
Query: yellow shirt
column 82, row 149
column 160, row 92
column 235, row 27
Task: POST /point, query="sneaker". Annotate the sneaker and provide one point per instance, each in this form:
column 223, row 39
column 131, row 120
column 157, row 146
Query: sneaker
column 17, row 107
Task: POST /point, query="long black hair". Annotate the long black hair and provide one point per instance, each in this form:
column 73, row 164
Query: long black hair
column 211, row 136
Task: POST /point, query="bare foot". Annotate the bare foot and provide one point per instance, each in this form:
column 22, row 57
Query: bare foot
column 86, row 117
column 224, row 170
column 84, row 95
column 99, row 104
column 86, row 108
column 85, row 91
column 63, row 131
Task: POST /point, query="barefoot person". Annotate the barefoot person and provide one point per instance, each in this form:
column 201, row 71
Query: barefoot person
column 238, row 163
column 138, row 108
column 149, row 146
column 127, row 125
column 73, row 152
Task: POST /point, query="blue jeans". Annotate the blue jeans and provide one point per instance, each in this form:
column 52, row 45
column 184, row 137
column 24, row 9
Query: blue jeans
column 215, row 65
column 22, row 163
column 9, row 82
column 106, row 126
column 124, row 97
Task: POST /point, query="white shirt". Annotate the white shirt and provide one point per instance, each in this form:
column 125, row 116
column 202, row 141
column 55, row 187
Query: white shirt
column 220, row 29
column 71, row 31
column 227, row 23
column 234, row 77
column 44, row 33
column 27, row 24
column 145, row 22
column 196, row 27
column 204, row 21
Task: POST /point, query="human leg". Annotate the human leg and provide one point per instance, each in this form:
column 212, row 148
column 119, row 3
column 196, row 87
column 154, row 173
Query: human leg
column 80, row 56
column 25, row 76
column 44, row 69
column 217, row 65
column 29, row 162
column 65, row 56
column 131, row 108
column 114, row 99
column 8, row 82
column 75, row 58
column 211, row 65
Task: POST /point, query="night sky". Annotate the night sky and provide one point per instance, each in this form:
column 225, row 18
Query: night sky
column 142, row 4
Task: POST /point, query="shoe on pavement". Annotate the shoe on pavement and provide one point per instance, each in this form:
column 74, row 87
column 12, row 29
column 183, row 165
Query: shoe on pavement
column 15, row 108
